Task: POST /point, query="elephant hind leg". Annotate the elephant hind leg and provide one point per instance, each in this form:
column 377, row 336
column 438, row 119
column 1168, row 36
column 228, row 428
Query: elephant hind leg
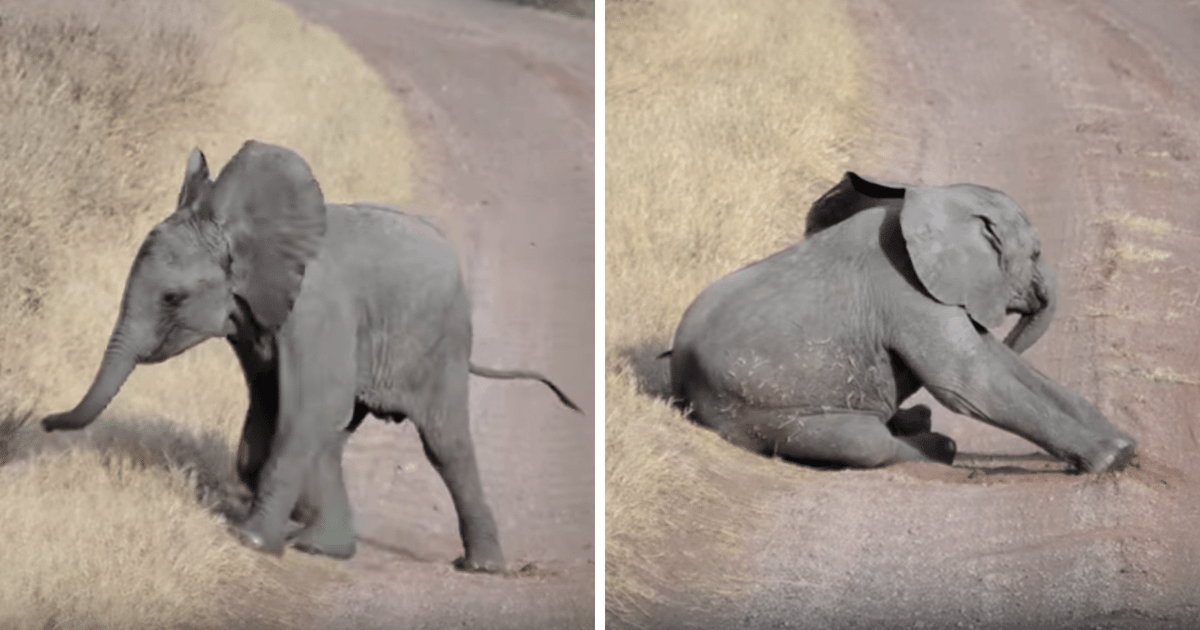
column 856, row 440
column 446, row 436
column 452, row 454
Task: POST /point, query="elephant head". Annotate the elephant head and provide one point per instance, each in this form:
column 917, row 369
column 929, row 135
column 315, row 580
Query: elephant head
column 230, row 258
column 970, row 246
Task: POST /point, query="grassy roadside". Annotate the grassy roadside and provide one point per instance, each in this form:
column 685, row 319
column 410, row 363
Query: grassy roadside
column 724, row 121
column 574, row 8
column 102, row 103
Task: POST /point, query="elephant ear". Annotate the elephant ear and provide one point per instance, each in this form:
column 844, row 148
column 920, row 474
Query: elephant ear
column 196, row 184
column 273, row 214
column 954, row 243
column 850, row 196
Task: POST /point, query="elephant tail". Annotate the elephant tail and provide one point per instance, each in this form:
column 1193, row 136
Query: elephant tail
column 524, row 374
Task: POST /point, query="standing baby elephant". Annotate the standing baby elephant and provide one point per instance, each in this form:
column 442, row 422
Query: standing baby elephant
column 808, row 354
column 334, row 311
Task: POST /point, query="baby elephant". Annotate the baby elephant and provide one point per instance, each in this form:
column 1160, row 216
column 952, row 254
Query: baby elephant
column 334, row 311
column 808, row 353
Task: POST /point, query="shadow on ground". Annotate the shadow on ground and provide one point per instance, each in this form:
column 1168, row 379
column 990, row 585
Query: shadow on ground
column 651, row 370
column 147, row 443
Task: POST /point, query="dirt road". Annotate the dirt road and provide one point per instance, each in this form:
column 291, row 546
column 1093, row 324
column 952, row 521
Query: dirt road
column 1088, row 114
column 502, row 98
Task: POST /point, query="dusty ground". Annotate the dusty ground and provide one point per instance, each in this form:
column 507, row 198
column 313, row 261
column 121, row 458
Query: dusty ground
column 503, row 99
column 1086, row 113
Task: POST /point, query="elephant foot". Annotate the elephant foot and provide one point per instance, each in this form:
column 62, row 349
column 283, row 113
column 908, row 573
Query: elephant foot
column 934, row 446
column 318, row 544
column 912, row 421
column 256, row 540
column 472, row 563
column 1114, row 455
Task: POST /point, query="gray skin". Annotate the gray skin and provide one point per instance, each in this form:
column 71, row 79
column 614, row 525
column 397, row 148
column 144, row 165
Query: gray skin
column 809, row 353
column 334, row 311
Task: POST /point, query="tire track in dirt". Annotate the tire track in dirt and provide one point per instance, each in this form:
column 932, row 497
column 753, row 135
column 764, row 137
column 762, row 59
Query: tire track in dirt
column 502, row 98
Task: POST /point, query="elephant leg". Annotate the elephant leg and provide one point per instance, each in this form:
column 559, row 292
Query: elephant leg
column 912, row 421
column 311, row 499
column 316, row 384
column 255, row 445
column 857, row 440
column 280, row 485
column 329, row 530
column 447, row 440
column 974, row 374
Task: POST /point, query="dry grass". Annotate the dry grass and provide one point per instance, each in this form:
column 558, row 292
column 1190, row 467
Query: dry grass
column 78, row 203
column 1153, row 375
column 1127, row 252
column 725, row 120
column 90, row 94
column 102, row 101
column 1150, row 226
column 106, row 530
column 577, row 8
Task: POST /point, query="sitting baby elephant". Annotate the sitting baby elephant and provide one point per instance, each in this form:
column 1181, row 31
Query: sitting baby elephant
column 334, row 311
column 808, row 353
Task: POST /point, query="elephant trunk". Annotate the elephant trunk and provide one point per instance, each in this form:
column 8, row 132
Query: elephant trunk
column 116, row 366
column 1034, row 322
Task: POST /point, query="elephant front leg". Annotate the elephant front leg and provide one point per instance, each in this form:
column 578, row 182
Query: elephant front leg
column 974, row 374
column 262, row 416
column 324, row 506
column 280, row 484
column 300, row 473
column 257, row 435
column 328, row 525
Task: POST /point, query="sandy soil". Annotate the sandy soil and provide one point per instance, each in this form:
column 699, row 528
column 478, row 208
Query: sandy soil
column 1086, row 113
column 502, row 98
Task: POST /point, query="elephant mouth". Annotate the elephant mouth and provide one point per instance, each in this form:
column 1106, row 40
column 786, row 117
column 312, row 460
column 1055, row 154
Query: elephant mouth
column 176, row 341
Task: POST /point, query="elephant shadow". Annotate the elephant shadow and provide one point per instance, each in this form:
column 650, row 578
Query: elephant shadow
column 204, row 457
column 651, row 370
column 158, row 445
column 154, row 444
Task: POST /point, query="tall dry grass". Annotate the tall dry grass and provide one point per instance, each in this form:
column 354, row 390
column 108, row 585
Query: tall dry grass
column 576, row 8
column 92, row 169
column 101, row 103
column 121, row 528
column 724, row 121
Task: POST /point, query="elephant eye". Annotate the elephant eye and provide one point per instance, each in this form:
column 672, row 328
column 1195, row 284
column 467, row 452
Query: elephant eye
column 172, row 299
column 989, row 233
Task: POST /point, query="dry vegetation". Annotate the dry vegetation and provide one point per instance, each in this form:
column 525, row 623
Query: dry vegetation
column 101, row 103
column 577, row 8
column 725, row 120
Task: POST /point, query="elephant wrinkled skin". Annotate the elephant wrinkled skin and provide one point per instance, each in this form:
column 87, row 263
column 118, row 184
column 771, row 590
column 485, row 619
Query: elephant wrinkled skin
column 809, row 353
column 334, row 311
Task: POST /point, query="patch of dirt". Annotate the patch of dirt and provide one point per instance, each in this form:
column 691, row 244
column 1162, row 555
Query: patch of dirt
column 1088, row 114
column 502, row 98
